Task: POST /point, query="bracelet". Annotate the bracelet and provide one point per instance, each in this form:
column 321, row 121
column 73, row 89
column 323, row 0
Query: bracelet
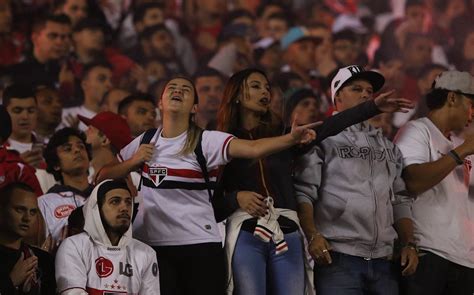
column 456, row 157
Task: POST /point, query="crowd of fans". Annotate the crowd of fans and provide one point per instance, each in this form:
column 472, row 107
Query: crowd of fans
column 91, row 140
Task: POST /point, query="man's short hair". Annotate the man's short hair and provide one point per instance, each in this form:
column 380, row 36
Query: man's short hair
column 235, row 14
column 141, row 10
column 385, row 56
column 429, row 67
column 281, row 16
column 283, row 80
column 59, row 138
column 18, row 91
column 40, row 23
column 148, row 32
column 264, row 4
column 89, row 67
column 208, row 72
column 5, row 124
column 346, row 34
column 436, row 98
column 138, row 96
column 7, row 192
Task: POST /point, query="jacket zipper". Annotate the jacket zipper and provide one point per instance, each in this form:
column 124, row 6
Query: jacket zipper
column 374, row 197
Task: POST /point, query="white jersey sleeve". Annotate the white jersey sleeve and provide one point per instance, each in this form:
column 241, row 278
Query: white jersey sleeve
column 130, row 149
column 71, row 272
column 215, row 145
column 150, row 276
column 414, row 143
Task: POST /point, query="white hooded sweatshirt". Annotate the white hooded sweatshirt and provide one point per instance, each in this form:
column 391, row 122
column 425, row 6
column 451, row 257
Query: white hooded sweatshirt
column 88, row 263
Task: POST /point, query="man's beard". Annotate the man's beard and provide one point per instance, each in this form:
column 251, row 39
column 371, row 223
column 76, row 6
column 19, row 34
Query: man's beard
column 119, row 229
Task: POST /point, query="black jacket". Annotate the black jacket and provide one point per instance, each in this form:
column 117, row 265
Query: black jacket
column 46, row 282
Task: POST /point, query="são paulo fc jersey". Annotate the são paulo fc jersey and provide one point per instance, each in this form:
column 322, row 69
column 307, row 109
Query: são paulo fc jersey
column 176, row 209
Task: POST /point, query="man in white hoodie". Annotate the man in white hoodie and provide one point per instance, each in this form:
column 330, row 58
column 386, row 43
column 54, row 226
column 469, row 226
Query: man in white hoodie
column 105, row 258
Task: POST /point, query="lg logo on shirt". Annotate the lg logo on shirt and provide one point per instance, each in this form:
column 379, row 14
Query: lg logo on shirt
column 126, row 269
column 103, row 267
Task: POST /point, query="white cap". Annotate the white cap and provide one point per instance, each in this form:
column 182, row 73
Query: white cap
column 348, row 21
column 456, row 81
column 353, row 72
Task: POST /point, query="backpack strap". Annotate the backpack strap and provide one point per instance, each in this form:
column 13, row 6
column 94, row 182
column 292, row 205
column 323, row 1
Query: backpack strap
column 202, row 163
column 146, row 139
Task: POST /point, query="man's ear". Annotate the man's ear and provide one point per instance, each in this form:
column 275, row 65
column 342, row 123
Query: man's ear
column 160, row 104
column 105, row 141
column 451, row 99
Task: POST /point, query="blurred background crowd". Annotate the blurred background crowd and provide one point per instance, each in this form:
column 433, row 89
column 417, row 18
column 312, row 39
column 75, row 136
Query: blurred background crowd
column 86, row 56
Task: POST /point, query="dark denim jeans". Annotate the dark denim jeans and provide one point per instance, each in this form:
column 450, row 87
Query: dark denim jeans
column 438, row 276
column 352, row 275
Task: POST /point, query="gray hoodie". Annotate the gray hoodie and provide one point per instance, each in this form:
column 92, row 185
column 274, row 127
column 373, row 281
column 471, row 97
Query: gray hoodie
column 354, row 182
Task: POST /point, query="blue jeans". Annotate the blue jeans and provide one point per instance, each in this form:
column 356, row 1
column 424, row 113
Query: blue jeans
column 352, row 275
column 256, row 269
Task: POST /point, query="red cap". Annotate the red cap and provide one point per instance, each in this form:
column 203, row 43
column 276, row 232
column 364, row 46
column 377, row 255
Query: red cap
column 112, row 125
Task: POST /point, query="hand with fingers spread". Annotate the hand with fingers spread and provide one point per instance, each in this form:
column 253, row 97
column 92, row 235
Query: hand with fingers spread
column 319, row 249
column 305, row 133
column 252, row 203
column 23, row 269
column 387, row 104
column 143, row 154
column 409, row 260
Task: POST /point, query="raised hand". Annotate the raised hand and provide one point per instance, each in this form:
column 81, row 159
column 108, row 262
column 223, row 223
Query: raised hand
column 252, row 203
column 72, row 121
column 32, row 157
column 387, row 104
column 305, row 133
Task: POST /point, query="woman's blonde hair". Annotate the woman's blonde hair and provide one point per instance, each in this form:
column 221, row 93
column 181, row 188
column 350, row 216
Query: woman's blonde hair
column 193, row 131
column 228, row 117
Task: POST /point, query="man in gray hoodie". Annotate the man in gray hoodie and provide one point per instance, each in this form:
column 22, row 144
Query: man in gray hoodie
column 350, row 194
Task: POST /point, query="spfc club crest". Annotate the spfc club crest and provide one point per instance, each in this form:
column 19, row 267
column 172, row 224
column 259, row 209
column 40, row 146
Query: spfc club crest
column 157, row 174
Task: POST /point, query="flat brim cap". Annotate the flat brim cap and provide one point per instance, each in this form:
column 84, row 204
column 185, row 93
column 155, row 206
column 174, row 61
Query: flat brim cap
column 355, row 72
